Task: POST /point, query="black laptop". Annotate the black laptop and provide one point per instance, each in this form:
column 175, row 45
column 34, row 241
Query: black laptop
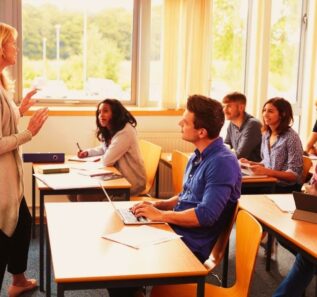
column 306, row 207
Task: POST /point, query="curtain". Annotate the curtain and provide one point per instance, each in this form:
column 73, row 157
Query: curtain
column 186, row 50
column 10, row 13
column 258, row 59
column 308, row 109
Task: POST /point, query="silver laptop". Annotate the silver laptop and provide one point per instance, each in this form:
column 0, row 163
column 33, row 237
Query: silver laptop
column 306, row 207
column 126, row 214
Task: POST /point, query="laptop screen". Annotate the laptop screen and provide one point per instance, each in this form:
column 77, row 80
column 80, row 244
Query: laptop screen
column 305, row 201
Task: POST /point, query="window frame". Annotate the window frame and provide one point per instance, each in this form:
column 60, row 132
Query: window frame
column 140, row 59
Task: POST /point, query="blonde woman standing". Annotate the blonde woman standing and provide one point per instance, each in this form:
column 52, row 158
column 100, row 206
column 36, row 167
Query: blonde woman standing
column 15, row 218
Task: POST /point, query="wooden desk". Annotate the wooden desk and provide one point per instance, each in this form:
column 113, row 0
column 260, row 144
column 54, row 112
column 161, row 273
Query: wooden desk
column 118, row 186
column 299, row 235
column 247, row 183
column 83, row 260
column 255, row 183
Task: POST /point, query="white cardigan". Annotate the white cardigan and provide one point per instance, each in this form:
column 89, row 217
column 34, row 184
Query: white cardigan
column 11, row 171
column 124, row 153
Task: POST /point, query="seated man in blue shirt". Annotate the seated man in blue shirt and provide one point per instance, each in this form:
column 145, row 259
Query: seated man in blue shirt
column 212, row 181
column 211, row 188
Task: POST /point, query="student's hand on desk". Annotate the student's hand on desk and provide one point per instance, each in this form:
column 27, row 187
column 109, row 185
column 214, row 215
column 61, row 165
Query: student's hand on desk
column 147, row 209
column 82, row 154
column 260, row 170
column 244, row 160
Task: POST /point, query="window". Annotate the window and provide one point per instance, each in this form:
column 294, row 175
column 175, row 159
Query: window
column 87, row 50
column 285, row 41
column 229, row 28
column 78, row 49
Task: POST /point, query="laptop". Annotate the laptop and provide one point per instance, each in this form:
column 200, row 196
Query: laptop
column 126, row 215
column 306, row 207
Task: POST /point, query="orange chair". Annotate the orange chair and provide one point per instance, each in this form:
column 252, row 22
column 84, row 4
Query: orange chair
column 248, row 236
column 179, row 162
column 221, row 250
column 307, row 164
column 151, row 154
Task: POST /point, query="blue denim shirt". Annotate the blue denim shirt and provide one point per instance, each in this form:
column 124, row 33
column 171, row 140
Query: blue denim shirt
column 212, row 187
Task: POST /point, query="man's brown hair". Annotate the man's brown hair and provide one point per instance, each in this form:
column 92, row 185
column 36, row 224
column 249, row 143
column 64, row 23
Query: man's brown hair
column 235, row 97
column 208, row 114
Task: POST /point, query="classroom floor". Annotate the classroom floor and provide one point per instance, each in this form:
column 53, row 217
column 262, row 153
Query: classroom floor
column 263, row 284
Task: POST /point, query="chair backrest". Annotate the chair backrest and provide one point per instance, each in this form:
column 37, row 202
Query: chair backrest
column 179, row 162
column 219, row 248
column 307, row 164
column 151, row 154
column 248, row 237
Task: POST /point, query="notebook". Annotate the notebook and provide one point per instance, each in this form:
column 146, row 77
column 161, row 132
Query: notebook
column 127, row 217
column 306, row 207
column 247, row 171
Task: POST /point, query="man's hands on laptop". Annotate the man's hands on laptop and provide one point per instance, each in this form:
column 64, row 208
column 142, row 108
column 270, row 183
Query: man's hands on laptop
column 147, row 209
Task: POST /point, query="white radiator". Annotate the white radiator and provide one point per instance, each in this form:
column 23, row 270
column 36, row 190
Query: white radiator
column 169, row 141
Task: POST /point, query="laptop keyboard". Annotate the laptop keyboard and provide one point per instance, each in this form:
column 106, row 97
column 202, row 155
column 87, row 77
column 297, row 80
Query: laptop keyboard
column 130, row 217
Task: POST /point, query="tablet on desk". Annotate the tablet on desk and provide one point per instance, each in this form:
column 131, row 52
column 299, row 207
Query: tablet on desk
column 306, row 207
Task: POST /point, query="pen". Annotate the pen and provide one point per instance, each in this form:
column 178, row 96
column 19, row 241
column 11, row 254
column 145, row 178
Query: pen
column 78, row 146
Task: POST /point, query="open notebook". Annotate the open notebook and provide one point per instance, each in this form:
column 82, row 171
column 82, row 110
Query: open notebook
column 247, row 171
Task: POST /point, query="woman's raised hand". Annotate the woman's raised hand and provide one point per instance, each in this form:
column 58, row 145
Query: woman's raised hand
column 27, row 102
column 37, row 120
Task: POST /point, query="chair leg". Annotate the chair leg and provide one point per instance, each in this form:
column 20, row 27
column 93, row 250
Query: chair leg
column 225, row 267
column 268, row 252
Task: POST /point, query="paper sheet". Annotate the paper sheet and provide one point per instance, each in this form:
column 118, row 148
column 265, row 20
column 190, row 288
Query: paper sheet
column 71, row 180
column 141, row 236
column 95, row 172
column 87, row 159
column 285, row 203
column 83, row 166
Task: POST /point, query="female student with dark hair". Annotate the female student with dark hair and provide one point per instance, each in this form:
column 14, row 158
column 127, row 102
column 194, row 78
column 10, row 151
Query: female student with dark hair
column 281, row 149
column 119, row 144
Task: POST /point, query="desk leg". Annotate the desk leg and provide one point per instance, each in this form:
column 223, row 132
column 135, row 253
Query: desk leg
column 60, row 290
column 127, row 195
column 48, row 265
column 201, row 287
column 225, row 267
column 41, row 241
column 33, row 204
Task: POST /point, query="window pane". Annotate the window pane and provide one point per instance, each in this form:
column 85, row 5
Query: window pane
column 284, row 49
column 229, row 27
column 156, row 54
column 78, row 49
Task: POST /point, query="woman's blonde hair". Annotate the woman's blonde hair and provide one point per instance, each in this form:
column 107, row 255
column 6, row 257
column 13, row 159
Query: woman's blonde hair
column 6, row 32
